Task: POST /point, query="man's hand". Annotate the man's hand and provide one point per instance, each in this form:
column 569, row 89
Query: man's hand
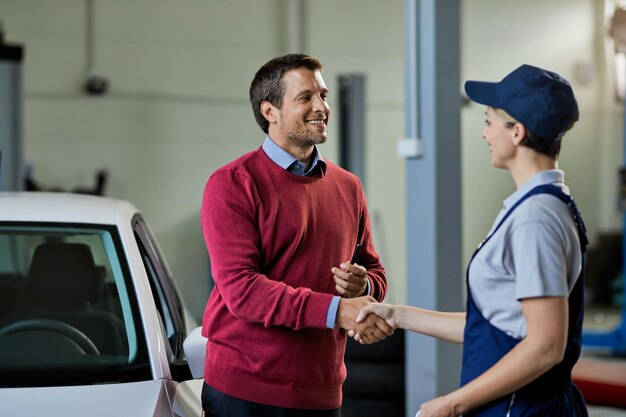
column 371, row 330
column 350, row 280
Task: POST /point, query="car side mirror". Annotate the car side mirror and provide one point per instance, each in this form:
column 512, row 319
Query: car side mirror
column 195, row 352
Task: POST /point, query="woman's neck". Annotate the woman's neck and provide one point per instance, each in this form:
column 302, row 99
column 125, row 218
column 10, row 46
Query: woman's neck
column 528, row 163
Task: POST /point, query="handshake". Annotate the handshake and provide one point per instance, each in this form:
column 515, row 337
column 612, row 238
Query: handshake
column 366, row 320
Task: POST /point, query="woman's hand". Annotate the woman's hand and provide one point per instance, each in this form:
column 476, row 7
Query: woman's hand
column 438, row 407
column 384, row 311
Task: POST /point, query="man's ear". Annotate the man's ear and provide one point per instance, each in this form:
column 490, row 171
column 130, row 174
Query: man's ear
column 519, row 132
column 269, row 111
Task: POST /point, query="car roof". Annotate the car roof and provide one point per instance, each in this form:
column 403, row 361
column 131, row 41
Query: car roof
column 37, row 206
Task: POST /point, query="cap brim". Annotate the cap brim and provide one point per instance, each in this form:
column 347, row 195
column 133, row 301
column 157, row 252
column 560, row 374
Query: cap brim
column 483, row 93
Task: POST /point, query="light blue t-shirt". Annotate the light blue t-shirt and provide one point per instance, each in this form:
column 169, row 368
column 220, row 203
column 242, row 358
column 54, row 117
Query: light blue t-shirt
column 535, row 253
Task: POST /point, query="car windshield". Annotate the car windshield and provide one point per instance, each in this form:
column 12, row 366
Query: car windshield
column 68, row 311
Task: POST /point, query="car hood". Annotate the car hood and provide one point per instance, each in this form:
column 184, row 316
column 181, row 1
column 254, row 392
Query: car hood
column 137, row 399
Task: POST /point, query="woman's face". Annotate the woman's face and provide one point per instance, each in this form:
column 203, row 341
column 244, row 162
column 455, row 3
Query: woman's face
column 500, row 139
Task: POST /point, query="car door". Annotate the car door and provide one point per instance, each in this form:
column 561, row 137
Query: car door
column 166, row 296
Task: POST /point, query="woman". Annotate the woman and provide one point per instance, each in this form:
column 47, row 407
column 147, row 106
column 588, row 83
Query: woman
column 521, row 332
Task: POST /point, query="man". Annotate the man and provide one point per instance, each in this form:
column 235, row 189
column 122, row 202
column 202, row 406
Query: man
column 277, row 222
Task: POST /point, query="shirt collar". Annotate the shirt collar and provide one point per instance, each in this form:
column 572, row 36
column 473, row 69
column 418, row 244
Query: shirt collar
column 551, row 176
column 287, row 161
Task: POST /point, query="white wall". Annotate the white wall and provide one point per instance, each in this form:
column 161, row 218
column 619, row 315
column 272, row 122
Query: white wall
column 178, row 106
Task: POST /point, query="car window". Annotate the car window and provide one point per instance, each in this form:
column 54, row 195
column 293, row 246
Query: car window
column 67, row 312
column 164, row 291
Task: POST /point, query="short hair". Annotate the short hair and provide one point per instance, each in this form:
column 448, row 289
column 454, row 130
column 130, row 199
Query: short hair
column 267, row 84
column 550, row 148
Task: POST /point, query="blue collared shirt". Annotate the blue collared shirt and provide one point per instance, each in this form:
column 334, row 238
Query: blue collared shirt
column 287, row 161
column 535, row 253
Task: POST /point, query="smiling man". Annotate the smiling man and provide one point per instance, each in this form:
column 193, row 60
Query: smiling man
column 280, row 224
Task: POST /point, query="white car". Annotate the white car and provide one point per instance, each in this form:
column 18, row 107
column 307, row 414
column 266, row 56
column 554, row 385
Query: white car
column 91, row 323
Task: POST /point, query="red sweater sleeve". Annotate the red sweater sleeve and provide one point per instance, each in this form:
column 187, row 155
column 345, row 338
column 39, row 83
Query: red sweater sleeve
column 229, row 223
column 369, row 258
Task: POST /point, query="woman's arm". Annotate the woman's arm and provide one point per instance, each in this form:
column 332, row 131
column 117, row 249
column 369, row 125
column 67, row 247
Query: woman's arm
column 541, row 349
column 446, row 326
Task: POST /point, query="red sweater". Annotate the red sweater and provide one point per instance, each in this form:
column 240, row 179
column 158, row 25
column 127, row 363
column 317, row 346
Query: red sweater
column 273, row 238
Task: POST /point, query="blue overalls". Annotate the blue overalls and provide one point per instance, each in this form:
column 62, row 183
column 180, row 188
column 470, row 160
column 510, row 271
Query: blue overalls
column 553, row 393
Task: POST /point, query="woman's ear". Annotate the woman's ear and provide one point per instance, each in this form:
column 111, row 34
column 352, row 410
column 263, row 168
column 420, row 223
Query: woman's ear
column 519, row 132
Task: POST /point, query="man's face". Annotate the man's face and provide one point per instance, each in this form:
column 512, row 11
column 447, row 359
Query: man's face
column 303, row 116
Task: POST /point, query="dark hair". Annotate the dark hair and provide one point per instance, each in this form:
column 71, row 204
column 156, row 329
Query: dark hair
column 267, row 83
column 551, row 148
column 531, row 140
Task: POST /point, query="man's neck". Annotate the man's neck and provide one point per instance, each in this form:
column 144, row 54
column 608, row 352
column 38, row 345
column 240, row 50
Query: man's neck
column 303, row 154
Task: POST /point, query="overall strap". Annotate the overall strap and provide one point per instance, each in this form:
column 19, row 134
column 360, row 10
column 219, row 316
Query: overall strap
column 484, row 344
column 557, row 192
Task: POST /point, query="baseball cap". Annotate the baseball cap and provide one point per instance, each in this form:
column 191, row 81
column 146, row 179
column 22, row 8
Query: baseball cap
column 541, row 100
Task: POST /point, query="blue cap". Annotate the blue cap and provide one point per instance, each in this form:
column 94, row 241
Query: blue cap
column 541, row 100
